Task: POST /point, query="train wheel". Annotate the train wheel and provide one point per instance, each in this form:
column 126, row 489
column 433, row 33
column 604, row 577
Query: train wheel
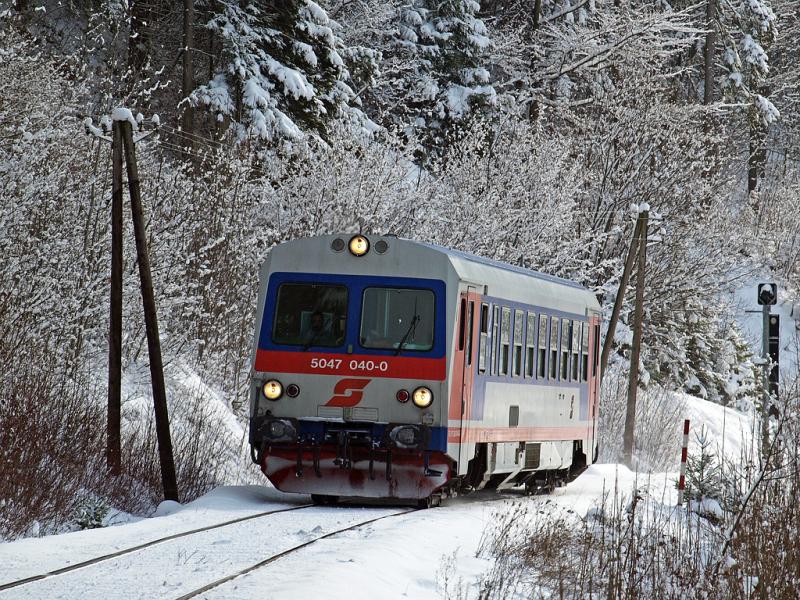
column 430, row 502
column 324, row 499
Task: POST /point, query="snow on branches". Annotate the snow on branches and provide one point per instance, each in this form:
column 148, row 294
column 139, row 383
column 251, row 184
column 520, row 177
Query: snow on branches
column 283, row 75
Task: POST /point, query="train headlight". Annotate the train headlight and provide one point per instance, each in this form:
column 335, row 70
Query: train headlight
column 422, row 397
column 272, row 389
column 402, row 396
column 359, row 245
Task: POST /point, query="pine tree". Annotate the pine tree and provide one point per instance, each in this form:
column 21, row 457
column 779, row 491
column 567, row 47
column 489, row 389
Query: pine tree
column 282, row 73
column 703, row 475
column 438, row 64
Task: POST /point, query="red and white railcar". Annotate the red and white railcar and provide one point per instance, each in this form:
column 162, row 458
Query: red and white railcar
column 385, row 367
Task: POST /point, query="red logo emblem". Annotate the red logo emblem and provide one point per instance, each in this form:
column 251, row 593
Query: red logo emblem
column 354, row 386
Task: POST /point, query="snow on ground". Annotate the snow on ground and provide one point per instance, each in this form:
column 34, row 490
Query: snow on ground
column 397, row 557
column 731, row 432
column 400, row 557
column 31, row 556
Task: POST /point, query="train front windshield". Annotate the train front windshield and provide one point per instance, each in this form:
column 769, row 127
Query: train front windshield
column 391, row 318
column 310, row 314
column 400, row 319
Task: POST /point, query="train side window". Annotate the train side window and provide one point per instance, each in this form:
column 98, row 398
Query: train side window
column 553, row 348
column 462, row 324
column 495, row 339
column 540, row 366
column 576, row 348
column 529, row 344
column 519, row 323
column 585, row 352
column 565, row 340
column 505, row 340
column 483, row 345
column 469, row 331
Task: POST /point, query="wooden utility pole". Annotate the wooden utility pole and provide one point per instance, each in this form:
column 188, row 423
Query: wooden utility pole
column 113, row 445
column 633, row 382
column 187, row 122
column 168, row 478
column 623, row 286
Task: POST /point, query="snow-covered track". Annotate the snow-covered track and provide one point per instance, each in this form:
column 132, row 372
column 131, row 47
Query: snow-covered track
column 288, row 551
column 106, row 557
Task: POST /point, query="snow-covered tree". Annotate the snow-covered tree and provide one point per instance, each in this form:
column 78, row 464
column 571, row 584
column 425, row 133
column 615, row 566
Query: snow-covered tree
column 282, row 74
column 437, row 69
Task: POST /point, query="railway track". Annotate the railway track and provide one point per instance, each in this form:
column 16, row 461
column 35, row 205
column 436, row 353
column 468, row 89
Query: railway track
column 106, row 557
column 22, row 585
column 279, row 555
column 31, row 586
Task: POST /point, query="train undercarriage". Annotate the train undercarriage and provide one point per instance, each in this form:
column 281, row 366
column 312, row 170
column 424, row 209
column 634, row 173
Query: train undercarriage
column 358, row 461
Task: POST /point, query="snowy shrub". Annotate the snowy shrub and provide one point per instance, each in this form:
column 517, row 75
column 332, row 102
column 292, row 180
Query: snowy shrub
column 658, row 423
column 704, row 478
column 91, row 513
column 628, row 547
column 51, row 436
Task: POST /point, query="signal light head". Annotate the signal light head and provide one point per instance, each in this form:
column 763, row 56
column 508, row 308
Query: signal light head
column 272, row 389
column 359, row 245
column 422, row 397
column 767, row 294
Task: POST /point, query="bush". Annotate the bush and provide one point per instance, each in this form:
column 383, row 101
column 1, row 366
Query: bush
column 52, row 440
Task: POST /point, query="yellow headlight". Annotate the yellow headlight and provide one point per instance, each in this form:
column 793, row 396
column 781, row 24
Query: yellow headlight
column 422, row 397
column 359, row 245
column 272, row 389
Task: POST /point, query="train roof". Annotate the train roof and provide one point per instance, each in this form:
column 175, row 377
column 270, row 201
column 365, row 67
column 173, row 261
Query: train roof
column 428, row 260
column 497, row 264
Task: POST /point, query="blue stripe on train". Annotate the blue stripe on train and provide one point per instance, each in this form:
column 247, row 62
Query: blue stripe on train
column 482, row 379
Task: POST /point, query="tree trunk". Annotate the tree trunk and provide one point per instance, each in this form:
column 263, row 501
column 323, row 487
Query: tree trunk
column 708, row 53
column 757, row 158
column 139, row 37
column 187, row 122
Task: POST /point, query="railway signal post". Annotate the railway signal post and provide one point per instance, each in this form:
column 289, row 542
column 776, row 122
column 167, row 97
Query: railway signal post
column 767, row 297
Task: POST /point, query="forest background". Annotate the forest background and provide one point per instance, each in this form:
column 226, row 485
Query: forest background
column 525, row 131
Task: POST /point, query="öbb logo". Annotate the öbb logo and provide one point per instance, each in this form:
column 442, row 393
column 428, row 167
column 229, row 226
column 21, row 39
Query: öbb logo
column 354, row 386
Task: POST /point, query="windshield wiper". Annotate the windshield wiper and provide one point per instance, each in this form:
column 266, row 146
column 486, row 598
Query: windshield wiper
column 310, row 342
column 410, row 331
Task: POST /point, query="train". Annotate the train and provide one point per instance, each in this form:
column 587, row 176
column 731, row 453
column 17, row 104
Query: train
column 385, row 367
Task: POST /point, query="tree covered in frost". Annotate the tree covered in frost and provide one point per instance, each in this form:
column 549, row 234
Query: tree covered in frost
column 745, row 62
column 283, row 71
column 437, row 68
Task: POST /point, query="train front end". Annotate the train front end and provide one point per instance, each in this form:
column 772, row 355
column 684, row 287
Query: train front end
column 349, row 380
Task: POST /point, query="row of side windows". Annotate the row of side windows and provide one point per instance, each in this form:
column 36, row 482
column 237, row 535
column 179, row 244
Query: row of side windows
column 520, row 343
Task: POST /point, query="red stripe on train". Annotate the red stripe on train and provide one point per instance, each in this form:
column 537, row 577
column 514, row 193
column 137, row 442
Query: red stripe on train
column 399, row 367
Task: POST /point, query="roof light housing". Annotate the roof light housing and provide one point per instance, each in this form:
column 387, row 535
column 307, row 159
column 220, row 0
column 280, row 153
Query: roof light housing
column 359, row 245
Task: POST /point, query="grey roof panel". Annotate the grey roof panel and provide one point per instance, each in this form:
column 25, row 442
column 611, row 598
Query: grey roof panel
column 500, row 265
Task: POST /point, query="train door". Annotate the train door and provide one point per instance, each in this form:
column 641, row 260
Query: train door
column 594, row 383
column 469, row 307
